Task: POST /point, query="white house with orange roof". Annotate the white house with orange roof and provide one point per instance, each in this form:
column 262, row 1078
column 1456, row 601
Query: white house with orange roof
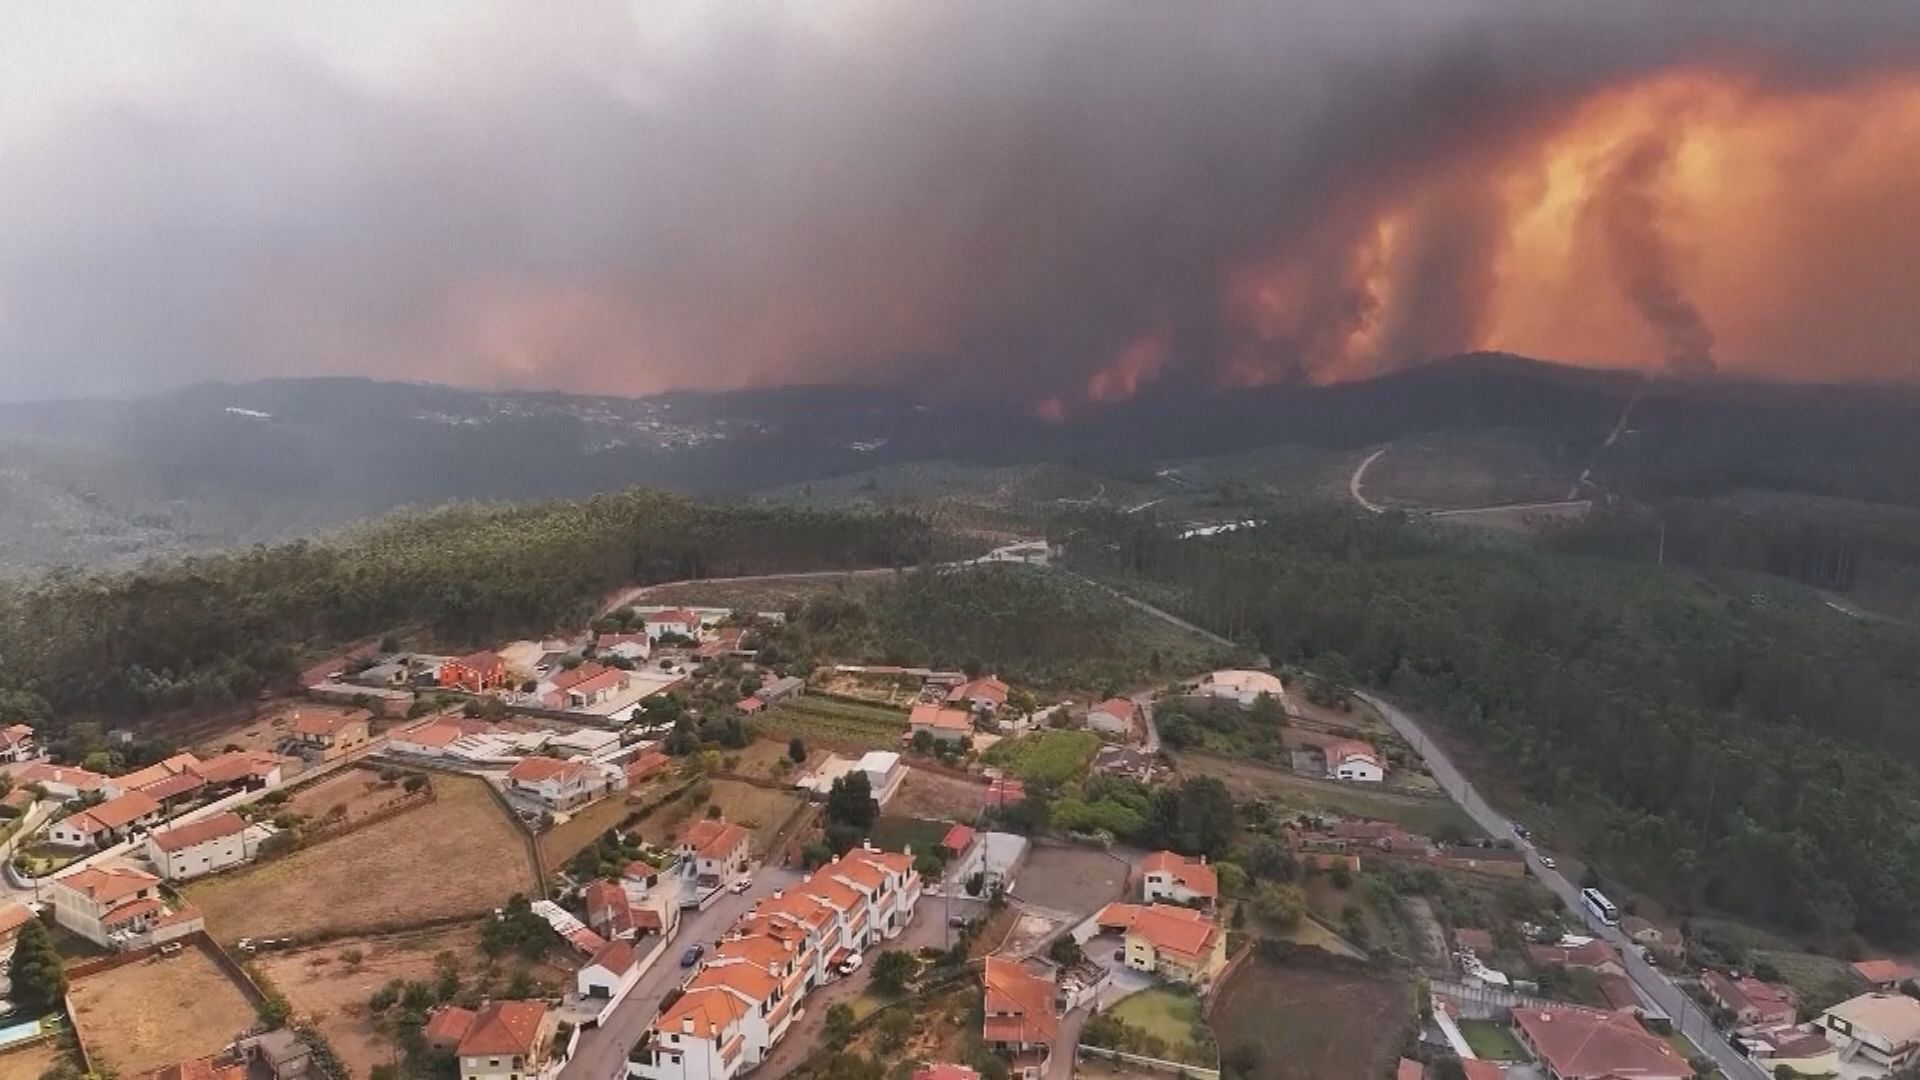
column 1172, row 877
column 984, row 695
column 704, row 1035
column 609, row 975
column 507, row 1040
column 811, row 927
column 676, row 621
column 714, row 851
column 63, row 782
column 944, row 724
column 743, row 999
column 1352, row 759
column 106, row 823
column 1114, row 716
column 17, row 743
column 1019, row 1020
column 207, row 846
column 891, row 883
column 556, row 783
column 116, row 908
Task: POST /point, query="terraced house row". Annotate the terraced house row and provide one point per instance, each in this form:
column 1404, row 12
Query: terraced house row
column 747, row 994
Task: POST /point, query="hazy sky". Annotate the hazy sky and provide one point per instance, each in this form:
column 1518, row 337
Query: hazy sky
column 1055, row 204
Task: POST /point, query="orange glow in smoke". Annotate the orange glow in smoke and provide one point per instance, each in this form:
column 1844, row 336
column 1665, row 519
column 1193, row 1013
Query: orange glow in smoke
column 1140, row 362
column 1791, row 218
column 1788, row 219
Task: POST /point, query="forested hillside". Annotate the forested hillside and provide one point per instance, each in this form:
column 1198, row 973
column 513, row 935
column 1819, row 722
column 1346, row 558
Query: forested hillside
column 1719, row 743
column 213, row 630
column 1027, row 624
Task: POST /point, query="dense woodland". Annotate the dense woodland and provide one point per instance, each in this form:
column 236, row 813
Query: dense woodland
column 1030, row 626
column 1726, row 743
column 207, row 631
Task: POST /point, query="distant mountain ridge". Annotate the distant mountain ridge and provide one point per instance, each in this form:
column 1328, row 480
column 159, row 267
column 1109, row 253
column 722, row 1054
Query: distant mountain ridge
column 99, row 481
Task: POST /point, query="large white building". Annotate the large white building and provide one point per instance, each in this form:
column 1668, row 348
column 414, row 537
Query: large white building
column 1880, row 1028
column 884, row 773
column 200, row 847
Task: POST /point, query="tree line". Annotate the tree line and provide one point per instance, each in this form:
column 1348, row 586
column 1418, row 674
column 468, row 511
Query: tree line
column 1721, row 747
column 216, row 629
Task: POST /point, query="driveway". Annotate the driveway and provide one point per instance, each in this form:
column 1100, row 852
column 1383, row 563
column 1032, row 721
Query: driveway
column 1687, row 1016
column 602, row 1054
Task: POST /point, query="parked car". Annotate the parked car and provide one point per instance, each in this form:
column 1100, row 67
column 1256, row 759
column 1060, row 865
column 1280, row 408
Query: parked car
column 851, row 964
column 742, row 885
column 692, row 956
column 959, row 921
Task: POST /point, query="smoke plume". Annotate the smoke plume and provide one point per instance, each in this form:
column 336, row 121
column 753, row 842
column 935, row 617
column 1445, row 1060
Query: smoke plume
column 1626, row 208
column 1052, row 206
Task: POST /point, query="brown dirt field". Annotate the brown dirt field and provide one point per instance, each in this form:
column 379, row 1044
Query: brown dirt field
column 1329, row 1023
column 565, row 840
column 762, row 759
column 357, row 791
column 930, row 795
column 262, row 731
column 159, row 1012
column 459, row 855
column 323, row 987
column 759, row 809
column 28, row 1062
column 1080, row 880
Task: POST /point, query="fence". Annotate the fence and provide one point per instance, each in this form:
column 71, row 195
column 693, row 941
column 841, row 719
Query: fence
column 1233, row 965
column 1484, row 1001
column 1171, row 1068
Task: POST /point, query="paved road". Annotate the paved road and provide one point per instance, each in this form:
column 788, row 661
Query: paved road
column 1686, row 1015
column 1144, row 700
column 1004, row 553
column 602, row 1054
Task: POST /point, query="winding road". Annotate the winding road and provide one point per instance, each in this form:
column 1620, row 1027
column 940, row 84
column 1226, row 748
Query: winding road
column 1687, row 1016
column 1359, row 474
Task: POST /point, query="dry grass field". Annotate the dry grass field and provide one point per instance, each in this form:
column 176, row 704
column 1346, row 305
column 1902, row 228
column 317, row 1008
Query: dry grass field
column 353, row 792
column 325, row 987
column 1310, row 1024
column 159, row 1012
column 29, row 1062
column 759, row 809
column 935, row 796
column 459, row 855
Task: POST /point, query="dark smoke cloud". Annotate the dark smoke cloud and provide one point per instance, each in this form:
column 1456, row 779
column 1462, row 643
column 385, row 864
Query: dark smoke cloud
column 996, row 199
column 1626, row 208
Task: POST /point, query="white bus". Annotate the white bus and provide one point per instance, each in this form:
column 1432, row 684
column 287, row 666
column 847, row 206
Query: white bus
column 1602, row 907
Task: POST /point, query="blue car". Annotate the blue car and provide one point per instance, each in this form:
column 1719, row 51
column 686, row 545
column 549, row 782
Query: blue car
column 692, row 956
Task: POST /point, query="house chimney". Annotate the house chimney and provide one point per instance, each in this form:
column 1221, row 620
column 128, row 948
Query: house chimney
column 686, row 1025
